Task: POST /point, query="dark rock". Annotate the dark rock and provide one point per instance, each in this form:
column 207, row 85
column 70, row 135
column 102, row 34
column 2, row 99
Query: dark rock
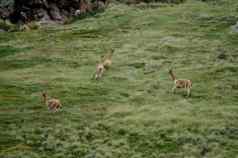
column 138, row 65
column 101, row 5
column 41, row 14
column 5, row 13
column 25, row 11
column 55, row 13
column 2, row 30
column 222, row 56
column 204, row 150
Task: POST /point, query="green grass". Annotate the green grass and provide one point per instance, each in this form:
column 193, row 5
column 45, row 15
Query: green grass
column 131, row 112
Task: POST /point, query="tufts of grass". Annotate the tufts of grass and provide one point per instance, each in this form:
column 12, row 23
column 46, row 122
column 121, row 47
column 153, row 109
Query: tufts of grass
column 131, row 111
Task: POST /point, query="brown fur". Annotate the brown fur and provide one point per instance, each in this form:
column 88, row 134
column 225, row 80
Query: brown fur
column 99, row 71
column 53, row 104
column 181, row 83
column 103, row 65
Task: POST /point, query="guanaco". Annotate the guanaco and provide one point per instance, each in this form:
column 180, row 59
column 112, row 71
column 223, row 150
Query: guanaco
column 107, row 60
column 53, row 104
column 100, row 69
column 181, row 83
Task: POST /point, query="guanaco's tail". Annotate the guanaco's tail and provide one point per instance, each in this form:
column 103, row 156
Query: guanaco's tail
column 172, row 74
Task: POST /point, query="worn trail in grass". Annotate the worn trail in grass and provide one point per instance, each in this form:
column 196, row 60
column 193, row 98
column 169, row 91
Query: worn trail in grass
column 131, row 112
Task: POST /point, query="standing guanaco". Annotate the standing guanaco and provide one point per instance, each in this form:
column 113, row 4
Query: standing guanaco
column 107, row 60
column 53, row 104
column 181, row 83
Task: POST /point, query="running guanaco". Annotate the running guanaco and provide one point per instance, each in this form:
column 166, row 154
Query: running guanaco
column 181, row 83
column 53, row 104
column 100, row 69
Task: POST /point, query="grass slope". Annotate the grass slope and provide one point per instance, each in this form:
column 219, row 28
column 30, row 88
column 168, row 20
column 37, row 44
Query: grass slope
column 131, row 112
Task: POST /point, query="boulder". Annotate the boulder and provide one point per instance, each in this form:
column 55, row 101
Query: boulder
column 55, row 13
column 25, row 11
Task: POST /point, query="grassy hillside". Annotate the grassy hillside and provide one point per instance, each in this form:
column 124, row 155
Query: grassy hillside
column 131, row 112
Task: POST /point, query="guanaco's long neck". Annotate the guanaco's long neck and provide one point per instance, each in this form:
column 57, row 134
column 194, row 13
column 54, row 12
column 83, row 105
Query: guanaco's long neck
column 172, row 75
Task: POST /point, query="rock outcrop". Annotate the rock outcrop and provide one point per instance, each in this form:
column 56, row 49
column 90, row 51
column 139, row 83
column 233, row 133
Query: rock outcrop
column 24, row 11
